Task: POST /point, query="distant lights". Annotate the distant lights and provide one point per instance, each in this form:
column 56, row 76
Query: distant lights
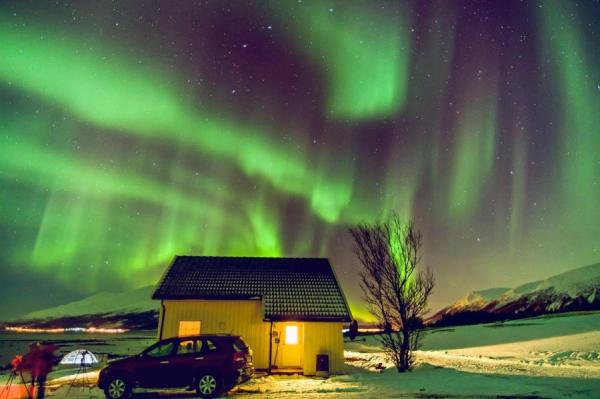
column 70, row 329
column 35, row 330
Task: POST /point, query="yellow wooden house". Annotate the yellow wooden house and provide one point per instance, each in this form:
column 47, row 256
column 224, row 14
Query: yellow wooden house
column 288, row 310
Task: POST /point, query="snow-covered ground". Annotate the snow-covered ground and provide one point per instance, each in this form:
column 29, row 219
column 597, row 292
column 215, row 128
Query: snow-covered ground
column 544, row 357
column 558, row 346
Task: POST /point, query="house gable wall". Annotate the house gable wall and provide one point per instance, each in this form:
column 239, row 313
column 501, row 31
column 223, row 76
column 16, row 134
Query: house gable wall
column 243, row 317
column 323, row 338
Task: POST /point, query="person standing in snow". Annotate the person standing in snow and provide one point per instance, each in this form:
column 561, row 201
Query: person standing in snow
column 40, row 361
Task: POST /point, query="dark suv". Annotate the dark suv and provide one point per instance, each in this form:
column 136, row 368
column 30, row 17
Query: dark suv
column 208, row 363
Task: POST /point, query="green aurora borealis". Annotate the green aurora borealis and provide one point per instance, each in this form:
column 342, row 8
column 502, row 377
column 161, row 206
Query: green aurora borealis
column 135, row 131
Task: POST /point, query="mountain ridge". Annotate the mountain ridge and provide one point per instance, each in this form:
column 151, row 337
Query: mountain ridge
column 103, row 302
column 131, row 310
column 573, row 290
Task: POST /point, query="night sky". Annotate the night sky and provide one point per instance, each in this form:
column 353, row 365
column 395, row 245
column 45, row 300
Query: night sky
column 134, row 131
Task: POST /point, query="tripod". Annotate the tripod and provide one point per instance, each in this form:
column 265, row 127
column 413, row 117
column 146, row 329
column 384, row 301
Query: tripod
column 81, row 372
column 9, row 382
column 11, row 379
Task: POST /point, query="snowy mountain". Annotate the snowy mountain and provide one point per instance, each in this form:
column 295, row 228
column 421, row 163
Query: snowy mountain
column 577, row 289
column 101, row 303
column 132, row 309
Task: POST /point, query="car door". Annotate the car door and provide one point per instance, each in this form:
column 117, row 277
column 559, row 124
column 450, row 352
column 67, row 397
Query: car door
column 153, row 369
column 215, row 358
column 188, row 356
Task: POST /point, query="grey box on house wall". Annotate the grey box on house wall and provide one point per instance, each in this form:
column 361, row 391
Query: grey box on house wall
column 322, row 365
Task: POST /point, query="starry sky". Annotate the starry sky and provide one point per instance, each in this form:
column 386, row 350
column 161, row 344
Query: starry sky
column 134, row 131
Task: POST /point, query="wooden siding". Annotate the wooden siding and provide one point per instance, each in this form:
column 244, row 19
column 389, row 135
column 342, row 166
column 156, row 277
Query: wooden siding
column 245, row 318
column 323, row 338
column 242, row 318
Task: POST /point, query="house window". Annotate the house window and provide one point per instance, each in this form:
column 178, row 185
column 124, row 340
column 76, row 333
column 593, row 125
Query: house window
column 187, row 328
column 291, row 335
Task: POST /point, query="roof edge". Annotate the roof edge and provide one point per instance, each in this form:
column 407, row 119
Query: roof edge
column 251, row 257
column 216, row 297
column 339, row 286
column 162, row 278
column 324, row 319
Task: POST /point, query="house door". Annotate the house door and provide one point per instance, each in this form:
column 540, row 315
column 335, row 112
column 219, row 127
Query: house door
column 291, row 345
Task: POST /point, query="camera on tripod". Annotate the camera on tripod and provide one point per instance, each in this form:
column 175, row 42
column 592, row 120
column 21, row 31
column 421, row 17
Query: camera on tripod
column 38, row 362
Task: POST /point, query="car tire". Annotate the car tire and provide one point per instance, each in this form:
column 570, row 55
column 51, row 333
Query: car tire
column 117, row 387
column 208, row 385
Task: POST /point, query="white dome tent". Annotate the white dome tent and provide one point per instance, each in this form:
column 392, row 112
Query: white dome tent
column 79, row 357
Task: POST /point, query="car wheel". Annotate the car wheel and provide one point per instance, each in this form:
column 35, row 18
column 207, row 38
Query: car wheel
column 207, row 385
column 117, row 388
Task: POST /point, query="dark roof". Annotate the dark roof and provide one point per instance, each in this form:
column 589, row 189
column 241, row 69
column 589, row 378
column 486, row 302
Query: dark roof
column 300, row 289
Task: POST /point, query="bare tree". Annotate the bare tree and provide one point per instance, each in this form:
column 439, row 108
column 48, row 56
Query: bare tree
column 395, row 291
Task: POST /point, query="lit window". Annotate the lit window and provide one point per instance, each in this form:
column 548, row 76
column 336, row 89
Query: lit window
column 291, row 335
column 187, row 328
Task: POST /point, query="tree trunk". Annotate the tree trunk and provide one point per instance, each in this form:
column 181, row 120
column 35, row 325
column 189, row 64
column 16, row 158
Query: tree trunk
column 405, row 351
